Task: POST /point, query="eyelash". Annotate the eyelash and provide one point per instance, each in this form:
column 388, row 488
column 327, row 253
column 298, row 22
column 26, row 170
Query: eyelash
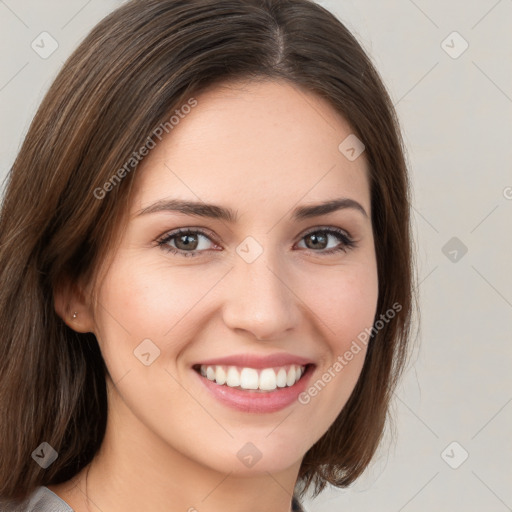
column 347, row 242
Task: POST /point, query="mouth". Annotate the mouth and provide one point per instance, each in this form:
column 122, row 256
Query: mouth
column 254, row 380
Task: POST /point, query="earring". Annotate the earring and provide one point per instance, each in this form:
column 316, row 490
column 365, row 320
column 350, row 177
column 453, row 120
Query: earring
column 74, row 315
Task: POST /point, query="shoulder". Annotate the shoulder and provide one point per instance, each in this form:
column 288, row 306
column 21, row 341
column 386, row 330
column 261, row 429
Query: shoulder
column 44, row 500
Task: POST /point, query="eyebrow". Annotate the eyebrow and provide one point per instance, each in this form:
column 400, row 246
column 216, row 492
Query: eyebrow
column 200, row 209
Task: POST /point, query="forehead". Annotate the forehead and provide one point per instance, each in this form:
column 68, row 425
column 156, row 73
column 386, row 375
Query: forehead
column 268, row 144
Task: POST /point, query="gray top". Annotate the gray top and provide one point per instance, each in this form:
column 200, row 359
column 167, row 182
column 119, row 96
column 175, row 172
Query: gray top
column 44, row 500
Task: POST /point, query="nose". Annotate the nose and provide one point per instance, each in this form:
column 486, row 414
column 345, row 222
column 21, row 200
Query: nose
column 259, row 299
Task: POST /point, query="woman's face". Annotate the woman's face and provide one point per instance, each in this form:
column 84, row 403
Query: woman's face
column 266, row 282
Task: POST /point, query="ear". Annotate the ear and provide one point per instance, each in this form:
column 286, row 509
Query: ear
column 72, row 305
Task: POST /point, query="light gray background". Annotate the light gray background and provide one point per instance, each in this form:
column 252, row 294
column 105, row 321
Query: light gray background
column 456, row 116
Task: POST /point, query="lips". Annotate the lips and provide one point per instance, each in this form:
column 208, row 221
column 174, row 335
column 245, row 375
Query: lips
column 256, row 361
column 256, row 400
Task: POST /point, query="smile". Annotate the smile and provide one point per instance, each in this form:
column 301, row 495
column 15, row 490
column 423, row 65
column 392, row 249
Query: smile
column 243, row 388
column 262, row 379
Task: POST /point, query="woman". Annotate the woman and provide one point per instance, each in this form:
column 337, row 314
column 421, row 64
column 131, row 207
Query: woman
column 206, row 272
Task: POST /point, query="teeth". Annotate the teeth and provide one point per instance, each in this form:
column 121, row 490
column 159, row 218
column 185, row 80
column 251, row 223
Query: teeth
column 233, row 378
column 265, row 379
column 219, row 375
column 249, row 378
column 268, row 379
column 281, row 378
column 290, row 379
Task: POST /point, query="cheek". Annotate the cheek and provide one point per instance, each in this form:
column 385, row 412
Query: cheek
column 344, row 302
column 147, row 299
column 142, row 300
column 137, row 302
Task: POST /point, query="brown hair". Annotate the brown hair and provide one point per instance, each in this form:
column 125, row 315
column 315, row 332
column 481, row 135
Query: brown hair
column 135, row 67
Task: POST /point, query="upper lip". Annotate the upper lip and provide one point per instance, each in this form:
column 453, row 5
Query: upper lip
column 257, row 361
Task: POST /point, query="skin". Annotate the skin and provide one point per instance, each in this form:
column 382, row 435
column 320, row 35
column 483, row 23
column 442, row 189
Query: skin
column 261, row 149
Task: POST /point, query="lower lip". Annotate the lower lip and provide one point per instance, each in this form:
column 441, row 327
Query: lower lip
column 254, row 401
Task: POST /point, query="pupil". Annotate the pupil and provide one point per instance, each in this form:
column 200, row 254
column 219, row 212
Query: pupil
column 186, row 245
column 315, row 238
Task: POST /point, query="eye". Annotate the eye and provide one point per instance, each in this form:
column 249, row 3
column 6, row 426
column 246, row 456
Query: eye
column 319, row 239
column 189, row 242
